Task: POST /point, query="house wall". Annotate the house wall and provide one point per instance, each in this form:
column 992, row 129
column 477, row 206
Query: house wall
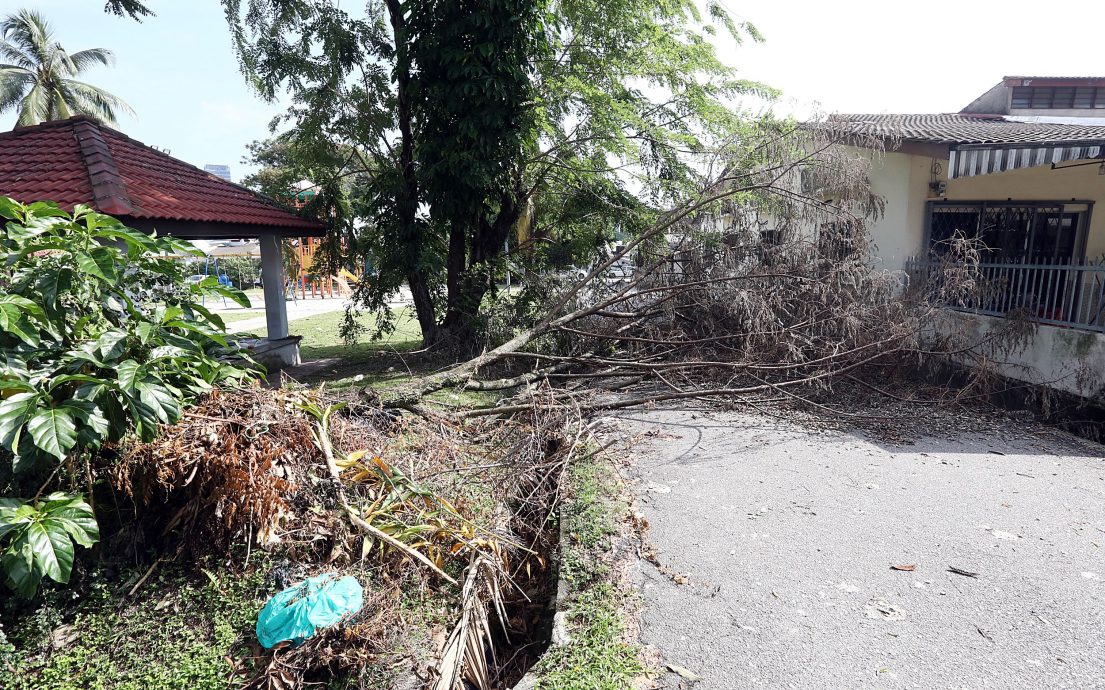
column 1064, row 359
column 1043, row 184
column 902, row 179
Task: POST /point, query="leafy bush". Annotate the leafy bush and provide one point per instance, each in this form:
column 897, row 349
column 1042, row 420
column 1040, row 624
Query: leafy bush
column 40, row 539
column 100, row 336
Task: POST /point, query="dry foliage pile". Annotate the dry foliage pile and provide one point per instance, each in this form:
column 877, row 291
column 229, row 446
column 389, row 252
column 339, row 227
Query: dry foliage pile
column 462, row 515
column 761, row 289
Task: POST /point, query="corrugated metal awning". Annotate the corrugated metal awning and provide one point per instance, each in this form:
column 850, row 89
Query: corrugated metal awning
column 968, row 160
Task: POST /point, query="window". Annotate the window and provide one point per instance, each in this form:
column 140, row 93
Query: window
column 1041, row 97
column 1009, row 231
column 1064, row 97
column 1057, row 97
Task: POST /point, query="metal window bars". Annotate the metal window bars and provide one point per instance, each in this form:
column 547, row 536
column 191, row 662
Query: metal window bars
column 1050, row 291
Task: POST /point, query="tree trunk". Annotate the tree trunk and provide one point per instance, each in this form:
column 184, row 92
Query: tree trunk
column 407, row 201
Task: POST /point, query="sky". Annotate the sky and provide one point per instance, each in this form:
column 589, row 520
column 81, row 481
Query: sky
column 179, row 73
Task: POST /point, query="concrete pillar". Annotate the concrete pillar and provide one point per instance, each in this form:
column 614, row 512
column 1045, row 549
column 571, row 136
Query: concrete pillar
column 272, row 275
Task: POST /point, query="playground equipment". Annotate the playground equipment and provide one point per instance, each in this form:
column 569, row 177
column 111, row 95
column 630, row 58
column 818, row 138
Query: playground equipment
column 319, row 287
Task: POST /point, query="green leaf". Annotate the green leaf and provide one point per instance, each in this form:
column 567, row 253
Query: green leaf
column 91, row 417
column 99, row 261
column 128, row 372
column 159, row 399
column 23, row 329
column 145, row 331
column 14, row 412
column 212, row 287
column 43, row 539
column 54, row 282
column 52, row 549
column 10, row 208
column 19, row 571
column 53, row 431
column 73, row 516
column 111, row 344
column 21, row 303
column 14, row 514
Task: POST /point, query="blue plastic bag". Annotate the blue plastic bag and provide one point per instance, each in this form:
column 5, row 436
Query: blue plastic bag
column 300, row 611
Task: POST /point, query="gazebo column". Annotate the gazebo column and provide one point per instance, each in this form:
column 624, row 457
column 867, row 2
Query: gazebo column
column 272, row 275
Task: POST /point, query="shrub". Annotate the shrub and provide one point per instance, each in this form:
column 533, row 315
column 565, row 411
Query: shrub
column 100, row 337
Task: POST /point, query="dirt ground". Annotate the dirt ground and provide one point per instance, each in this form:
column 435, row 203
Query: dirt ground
column 777, row 541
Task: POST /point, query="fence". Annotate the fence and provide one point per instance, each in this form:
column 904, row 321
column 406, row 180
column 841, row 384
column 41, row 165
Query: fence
column 1053, row 292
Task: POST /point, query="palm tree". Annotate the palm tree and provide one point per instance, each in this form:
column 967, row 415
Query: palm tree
column 40, row 77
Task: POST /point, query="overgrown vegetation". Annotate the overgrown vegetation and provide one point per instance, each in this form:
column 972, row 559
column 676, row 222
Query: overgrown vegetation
column 178, row 632
column 601, row 653
column 438, row 133
column 267, row 487
column 100, row 338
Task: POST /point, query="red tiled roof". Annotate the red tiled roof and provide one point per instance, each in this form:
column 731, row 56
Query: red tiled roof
column 969, row 129
column 80, row 161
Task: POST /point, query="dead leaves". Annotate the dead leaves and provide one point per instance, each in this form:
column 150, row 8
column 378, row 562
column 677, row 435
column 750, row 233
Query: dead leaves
column 904, row 568
column 684, row 673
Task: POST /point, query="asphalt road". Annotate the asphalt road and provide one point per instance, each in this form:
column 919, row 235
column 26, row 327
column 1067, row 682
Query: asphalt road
column 783, row 539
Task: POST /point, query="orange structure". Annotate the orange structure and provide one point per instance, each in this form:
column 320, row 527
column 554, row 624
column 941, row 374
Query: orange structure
column 308, row 281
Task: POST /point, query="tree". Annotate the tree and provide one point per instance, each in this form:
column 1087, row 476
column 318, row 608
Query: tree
column 129, row 8
column 100, row 338
column 453, row 126
column 38, row 75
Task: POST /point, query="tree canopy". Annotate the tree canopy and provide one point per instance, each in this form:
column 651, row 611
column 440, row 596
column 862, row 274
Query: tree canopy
column 439, row 131
column 39, row 77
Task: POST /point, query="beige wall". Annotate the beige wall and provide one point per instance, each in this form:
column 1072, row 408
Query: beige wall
column 1065, row 359
column 902, row 179
column 1043, row 184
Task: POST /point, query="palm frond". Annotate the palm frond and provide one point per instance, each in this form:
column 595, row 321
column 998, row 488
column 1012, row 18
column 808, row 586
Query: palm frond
column 35, row 107
column 59, row 105
column 29, row 31
column 92, row 100
column 15, row 55
column 465, row 657
column 84, row 59
column 27, row 42
column 14, row 84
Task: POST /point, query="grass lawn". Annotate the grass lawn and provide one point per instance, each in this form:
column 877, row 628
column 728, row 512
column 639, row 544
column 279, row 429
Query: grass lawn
column 372, row 358
column 322, row 339
column 384, row 363
column 232, row 316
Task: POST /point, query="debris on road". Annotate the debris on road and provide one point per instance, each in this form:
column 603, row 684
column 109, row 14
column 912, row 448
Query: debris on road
column 960, row 571
column 904, row 568
column 880, row 609
column 685, row 674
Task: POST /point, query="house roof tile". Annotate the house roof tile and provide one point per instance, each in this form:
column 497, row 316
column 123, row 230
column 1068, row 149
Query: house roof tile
column 968, row 129
column 81, row 161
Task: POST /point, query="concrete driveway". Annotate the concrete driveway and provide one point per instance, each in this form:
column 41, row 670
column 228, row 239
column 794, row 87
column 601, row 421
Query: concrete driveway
column 776, row 545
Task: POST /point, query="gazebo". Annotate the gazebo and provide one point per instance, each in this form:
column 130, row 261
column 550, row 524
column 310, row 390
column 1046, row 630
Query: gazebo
column 81, row 161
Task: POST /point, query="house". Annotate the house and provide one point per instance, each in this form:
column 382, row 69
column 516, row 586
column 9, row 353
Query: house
column 1021, row 168
column 81, row 161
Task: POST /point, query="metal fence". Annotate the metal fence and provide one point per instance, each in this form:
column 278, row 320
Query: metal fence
column 1052, row 292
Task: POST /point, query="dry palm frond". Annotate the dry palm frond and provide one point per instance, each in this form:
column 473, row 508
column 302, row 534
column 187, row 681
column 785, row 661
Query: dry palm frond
column 469, row 646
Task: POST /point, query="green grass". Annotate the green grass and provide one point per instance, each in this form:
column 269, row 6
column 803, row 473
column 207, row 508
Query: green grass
column 598, row 657
column 322, row 337
column 232, row 316
column 371, row 358
column 177, row 633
